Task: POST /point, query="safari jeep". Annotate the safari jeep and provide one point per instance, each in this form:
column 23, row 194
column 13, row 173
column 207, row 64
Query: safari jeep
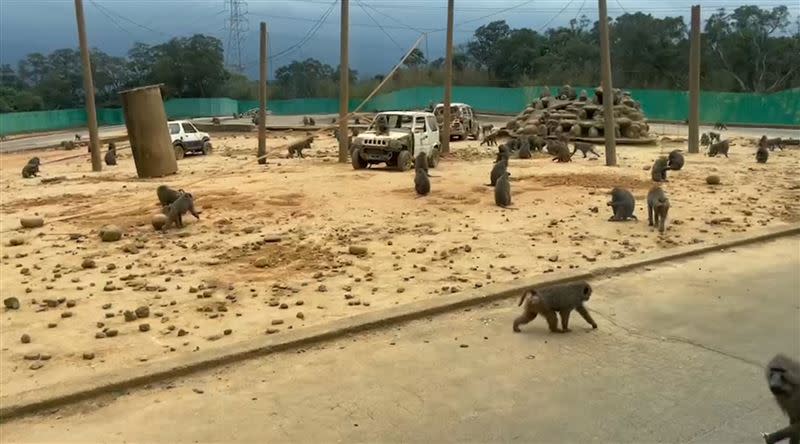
column 395, row 138
column 463, row 123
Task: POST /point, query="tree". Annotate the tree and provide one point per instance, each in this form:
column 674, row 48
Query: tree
column 309, row 78
column 415, row 59
column 486, row 38
column 744, row 46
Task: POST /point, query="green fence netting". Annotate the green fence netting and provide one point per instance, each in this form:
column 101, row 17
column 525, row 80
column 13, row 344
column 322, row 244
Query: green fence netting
column 781, row 108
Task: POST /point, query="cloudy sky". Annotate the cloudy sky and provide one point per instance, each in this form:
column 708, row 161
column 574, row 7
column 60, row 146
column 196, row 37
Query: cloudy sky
column 381, row 30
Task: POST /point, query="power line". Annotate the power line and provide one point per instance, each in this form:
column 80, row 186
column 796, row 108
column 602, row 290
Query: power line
column 621, row 7
column 111, row 18
column 555, row 16
column 583, row 3
column 122, row 17
column 358, row 2
column 403, row 25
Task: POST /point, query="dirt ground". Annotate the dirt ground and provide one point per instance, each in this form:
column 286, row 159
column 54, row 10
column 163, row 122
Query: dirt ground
column 297, row 218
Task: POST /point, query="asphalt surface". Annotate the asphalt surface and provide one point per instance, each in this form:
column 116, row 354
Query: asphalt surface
column 677, row 358
column 51, row 139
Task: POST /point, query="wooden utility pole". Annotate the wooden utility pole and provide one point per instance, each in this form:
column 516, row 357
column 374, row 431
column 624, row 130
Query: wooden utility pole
column 262, row 98
column 344, row 82
column 88, row 86
column 448, row 80
column 608, row 90
column 694, row 83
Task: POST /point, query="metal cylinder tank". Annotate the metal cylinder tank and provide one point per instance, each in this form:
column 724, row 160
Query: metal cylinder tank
column 146, row 121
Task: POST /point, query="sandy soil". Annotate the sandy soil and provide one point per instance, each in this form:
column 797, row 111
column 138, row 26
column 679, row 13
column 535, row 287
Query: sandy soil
column 298, row 217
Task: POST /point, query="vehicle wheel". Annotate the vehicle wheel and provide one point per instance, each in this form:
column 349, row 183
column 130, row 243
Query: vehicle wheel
column 357, row 161
column 433, row 159
column 403, row 160
column 206, row 147
column 178, row 152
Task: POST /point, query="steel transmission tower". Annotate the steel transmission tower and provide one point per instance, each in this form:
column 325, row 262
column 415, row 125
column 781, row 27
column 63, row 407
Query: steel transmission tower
column 237, row 26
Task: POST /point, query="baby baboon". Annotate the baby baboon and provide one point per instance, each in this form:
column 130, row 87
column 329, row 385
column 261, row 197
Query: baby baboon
column 215, row 120
column 657, row 208
column 548, row 301
column 783, row 379
column 77, row 137
column 31, row 169
column 714, row 137
column 500, row 167
column 561, row 149
column 296, row 148
column 659, row 170
column 762, row 154
column 524, row 148
column 502, row 190
column 622, row 205
column 705, row 140
column 584, row 147
column 486, row 129
column 111, row 154
column 719, row 148
column 167, row 195
column 422, row 183
column 675, row 160
column 184, row 203
column 720, row 126
column 489, row 139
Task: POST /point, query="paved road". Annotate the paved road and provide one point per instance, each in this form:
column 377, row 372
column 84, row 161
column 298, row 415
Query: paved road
column 677, row 359
column 53, row 139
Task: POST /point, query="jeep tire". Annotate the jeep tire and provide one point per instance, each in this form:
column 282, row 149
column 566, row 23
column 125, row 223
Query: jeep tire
column 178, row 148
column 357, row 161
column 433, row 159
column 403, row 160
column 206, row 147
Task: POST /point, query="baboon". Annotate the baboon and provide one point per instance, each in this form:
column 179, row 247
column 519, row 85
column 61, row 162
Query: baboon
column 502, row 150
column 184, row 203
column 719, row 148
column 422, row 183
column 500, row 167
column 489, row 139
column 622, row 205
column 771, row 143
column 215, row 120
column 77, row 137
column 720, row 126
column 783, row 379
column 502, row 190
column 524, row 148
column 305, row 121
column 659, row 170
column 333, row 120
column 486, row 129
column 714, row 137
column 166, row 195
column 537, row 142
column 381, row 125
column 548, row 301
column 357, row 121
column 31, row 169
column 762, row 154
column 705, row 140
column 311, row 121
column 675, row 160
column 562, row 152
column 513, row 144
column 584, row 147
column 296, row 148
column 657, row 208
column 111, row 154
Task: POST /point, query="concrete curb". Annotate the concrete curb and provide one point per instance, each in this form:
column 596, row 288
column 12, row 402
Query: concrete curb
column 26, row 403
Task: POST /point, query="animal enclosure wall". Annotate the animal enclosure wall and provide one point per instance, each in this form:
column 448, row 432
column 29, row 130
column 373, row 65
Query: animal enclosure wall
column 781, row 108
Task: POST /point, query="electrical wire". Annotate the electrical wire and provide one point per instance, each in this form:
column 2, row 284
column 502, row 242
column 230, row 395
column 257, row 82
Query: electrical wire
column 112, row 19
column 358, row 2
column 122, row 17
column 555, row 16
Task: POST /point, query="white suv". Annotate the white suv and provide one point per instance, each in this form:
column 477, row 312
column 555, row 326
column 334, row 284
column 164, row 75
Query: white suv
column 186, row 138
column 395, row 138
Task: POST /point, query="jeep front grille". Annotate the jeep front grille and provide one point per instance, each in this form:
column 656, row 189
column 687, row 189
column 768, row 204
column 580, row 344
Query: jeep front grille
column 376, row 142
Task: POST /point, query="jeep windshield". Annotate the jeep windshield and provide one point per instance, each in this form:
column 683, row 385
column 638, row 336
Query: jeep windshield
column 394, row 121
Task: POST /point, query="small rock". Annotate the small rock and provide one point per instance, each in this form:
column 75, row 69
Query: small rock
column 11, row 303
column 88, row 263
column 401, row 290
column 25, row 338
column 553, row 258
column 142, row 312
column 357, row 250
column 277, row 321
column 130, row 248
column 271, row 331
column 284, row 306
column 88, row 356
column 463, row 345
column 99, row 335
column 36, row 366
column 322, row 288
column 66, row 314
column 71, row 303
column 182, row 332
column 31, row 222
column 261, row 262
column 214, row 337
column 144, row 327
column 129, row 316
column 16, row 241
column 110, row 233
column 227, row 331
column 31, row 356
column 198, row 391
column 300, row 315
column 713, row 180
column 158, row 220
column 111, row 333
